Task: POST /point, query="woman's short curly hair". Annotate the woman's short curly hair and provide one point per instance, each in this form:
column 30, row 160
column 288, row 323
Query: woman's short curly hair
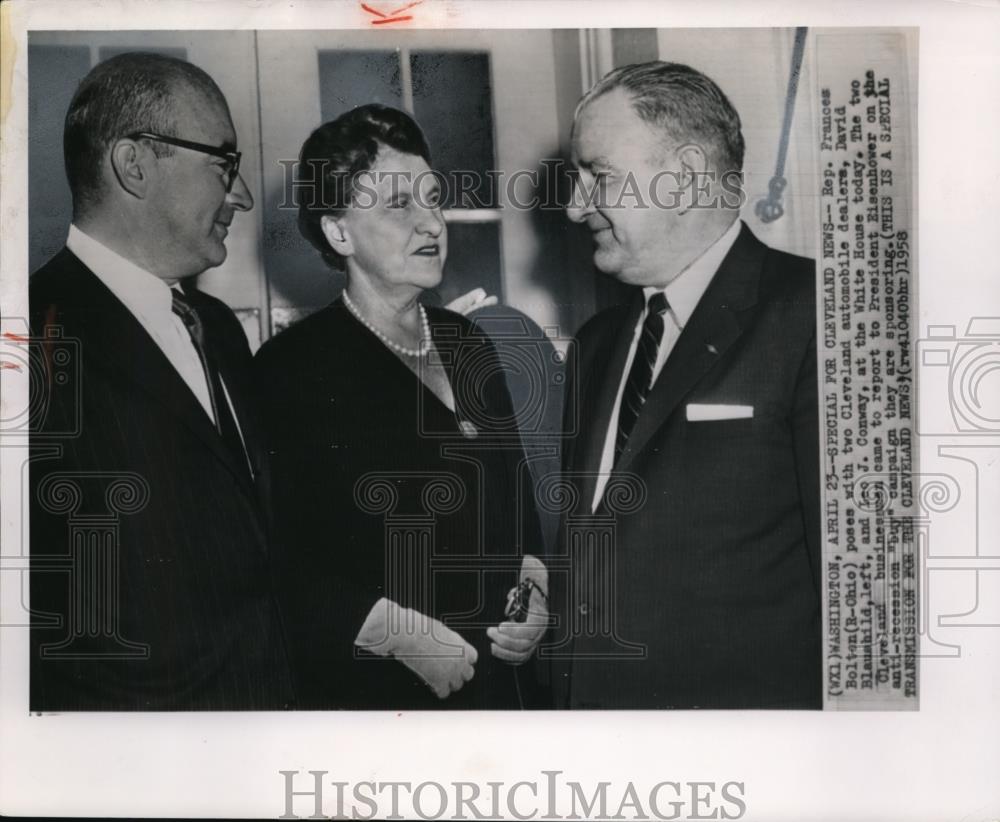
column 336, row 152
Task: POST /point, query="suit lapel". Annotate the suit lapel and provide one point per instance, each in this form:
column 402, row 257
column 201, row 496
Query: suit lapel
column 725, row 310
column 246, row 416
column 234, row 368
column 114, row 341
column 595, row 405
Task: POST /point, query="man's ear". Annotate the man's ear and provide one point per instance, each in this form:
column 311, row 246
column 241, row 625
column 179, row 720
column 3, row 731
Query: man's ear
column 693, row 161
column 337, row 235
column 130, row 171
column 693, row 164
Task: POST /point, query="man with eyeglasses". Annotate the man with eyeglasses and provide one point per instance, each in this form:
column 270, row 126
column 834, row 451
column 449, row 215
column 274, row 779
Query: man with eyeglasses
column 150, row 587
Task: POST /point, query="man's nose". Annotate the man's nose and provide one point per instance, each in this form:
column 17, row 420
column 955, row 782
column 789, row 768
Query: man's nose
column 580, row 205
column 239, row 195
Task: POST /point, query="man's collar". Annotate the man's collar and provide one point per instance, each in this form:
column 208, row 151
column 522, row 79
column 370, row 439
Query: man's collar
column 685, row 290
column 142, row 292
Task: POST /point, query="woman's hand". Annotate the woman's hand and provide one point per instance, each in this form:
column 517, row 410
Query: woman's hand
column 434, row 652
column 515, row 642
column 472, row 301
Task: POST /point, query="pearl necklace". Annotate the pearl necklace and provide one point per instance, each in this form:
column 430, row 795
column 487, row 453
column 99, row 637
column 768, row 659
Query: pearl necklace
column 425, row 342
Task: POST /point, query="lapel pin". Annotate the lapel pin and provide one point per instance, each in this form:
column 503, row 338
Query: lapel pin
column 711, row 349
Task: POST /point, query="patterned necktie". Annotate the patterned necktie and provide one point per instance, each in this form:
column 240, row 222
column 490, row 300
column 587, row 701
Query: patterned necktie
column 640, row 376
column 224, row 422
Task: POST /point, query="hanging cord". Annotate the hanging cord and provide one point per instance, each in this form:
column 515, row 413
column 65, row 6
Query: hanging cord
column 769, row 208
column 518, row 599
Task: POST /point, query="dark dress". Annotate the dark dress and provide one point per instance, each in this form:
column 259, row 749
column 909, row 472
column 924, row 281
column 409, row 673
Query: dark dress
column 378, row 489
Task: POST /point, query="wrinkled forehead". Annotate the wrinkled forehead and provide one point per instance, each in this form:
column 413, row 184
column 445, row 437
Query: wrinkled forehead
column 608, row 124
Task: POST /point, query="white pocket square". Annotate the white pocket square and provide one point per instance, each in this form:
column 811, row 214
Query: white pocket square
column 697, row 412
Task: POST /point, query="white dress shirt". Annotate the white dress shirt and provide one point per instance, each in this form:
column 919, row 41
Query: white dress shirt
column 148, row 298
column 683, row 294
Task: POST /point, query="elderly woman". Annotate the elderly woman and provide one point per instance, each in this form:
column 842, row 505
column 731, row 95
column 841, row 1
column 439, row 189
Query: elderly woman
column 402, row 511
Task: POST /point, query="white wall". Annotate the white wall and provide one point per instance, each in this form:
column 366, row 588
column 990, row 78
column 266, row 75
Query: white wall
column 751, row 66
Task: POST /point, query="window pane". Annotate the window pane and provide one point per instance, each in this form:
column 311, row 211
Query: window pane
column 348, row 79
column 453, row 102
column 473, row 261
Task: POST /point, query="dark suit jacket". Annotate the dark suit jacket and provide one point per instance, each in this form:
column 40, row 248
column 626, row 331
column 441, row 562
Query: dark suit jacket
column 150, row 586
column 376, row 492
column 708, row 595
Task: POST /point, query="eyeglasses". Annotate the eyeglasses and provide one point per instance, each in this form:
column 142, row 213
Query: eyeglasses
column 230, row 171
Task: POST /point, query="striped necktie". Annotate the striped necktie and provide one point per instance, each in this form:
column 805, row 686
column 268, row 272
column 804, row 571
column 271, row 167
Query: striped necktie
column 225, row 424
column 640, row 376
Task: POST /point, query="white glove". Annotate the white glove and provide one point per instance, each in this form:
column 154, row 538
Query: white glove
column 471, row 301
column 515, row 642
column 434, row 652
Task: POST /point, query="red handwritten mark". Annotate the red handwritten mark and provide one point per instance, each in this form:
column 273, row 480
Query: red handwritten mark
column 393, row 16
column 10, row 335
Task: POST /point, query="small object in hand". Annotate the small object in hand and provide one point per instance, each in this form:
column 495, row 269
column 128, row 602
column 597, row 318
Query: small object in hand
column 517, row 600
